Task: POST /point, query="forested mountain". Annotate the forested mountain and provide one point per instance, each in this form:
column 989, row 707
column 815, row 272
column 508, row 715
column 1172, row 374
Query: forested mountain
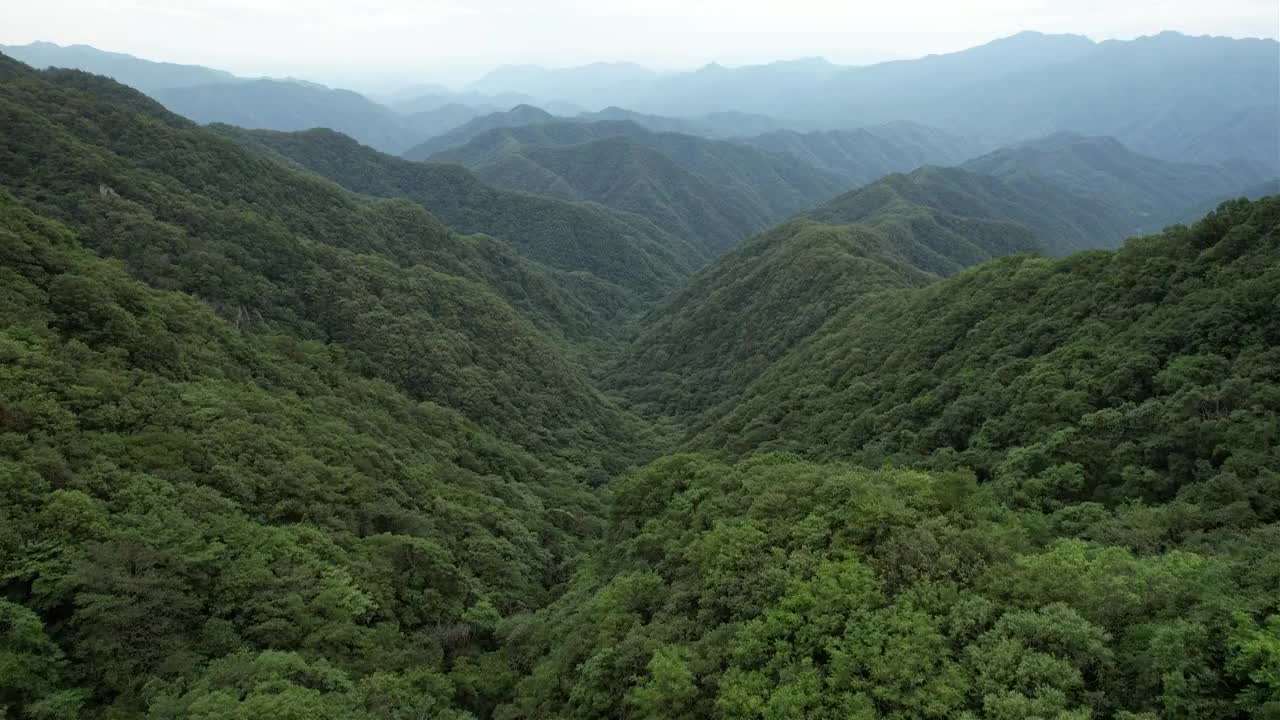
column 258, row 427
column 1173, row 335
column 715, row 193
column 867, row 154
column 699, row 349
column 624, row 175
column 261, row 242
column 1151, row 193
column 145, row 75
column 291, row 428
column 1112, row 552
column 625, row 251
column 461, row 135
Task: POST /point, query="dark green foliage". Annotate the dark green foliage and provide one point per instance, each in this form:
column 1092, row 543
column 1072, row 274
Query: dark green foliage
column 269, row 448
column 735, row 319
column 628, row 176
column 1148, row 373
column 778, row 185
column 621, row 249
column 176, row 489
column 712, row 193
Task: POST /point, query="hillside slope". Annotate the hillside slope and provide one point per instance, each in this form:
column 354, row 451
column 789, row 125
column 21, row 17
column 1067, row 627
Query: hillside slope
column 264, row 244
column 866, row 154
column 260, row 432
column 515, row 117
column 715, row 192
column 1148, row 192
column 270, row 448
column 618, row 248
column 709, row 340
column 1114, row 555
column 1068, row 359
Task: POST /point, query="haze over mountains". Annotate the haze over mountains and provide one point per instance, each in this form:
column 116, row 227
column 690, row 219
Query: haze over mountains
column 1197, row 99
column 782, row 391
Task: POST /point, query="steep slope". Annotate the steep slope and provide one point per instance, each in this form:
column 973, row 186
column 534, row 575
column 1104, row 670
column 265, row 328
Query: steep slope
column 270, row 448
column 623, row 250
column 720, row 192
column 261, row 432
column 1115, row 555
column 1131, row 363
column 1063, row 222
column 627, row 176
column 866, row 154
column 708, row 341
column 145, row 75
column 265, row 244
column 461, row 135
column 171, row 472
column 1151, row 193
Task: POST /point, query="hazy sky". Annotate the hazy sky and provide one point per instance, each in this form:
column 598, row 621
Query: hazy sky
column 457, row 40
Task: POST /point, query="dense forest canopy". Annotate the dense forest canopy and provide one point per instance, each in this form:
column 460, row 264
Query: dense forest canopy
column 628, row 422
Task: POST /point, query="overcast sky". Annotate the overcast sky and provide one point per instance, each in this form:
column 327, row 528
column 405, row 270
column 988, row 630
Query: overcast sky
column 381, row 41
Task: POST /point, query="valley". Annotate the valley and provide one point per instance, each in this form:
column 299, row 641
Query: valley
column 732, row 395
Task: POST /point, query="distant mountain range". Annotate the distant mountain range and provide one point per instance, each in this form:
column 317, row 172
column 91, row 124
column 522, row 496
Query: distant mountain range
column 207, row 95
column 1202, row 99
column 1170, row 96
column 145, row 75
column 1206, row 100
column 716, row 193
